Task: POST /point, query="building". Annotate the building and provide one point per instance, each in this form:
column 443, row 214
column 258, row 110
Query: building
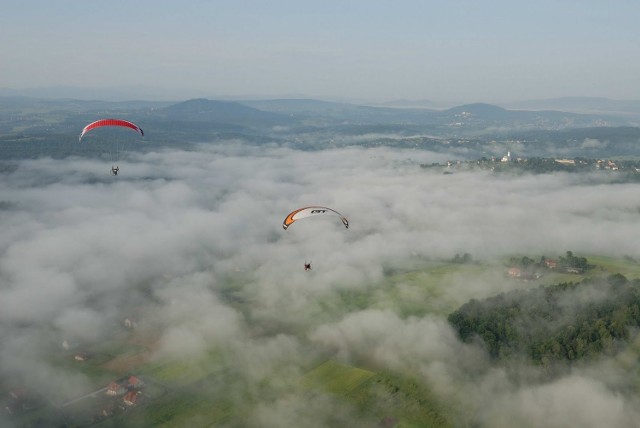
column 130, row 398
column 115, row 388
column 134, row 382
column 514, row 272
column 565, row 161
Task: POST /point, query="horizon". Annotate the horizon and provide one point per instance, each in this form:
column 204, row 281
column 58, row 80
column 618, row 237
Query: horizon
column 124, row 94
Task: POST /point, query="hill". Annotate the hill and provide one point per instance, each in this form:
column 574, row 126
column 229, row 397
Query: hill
column 222, row 112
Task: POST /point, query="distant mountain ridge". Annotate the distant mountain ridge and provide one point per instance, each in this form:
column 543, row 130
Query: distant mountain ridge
column 308, row 124
column 469, row 118
column 141, row 93
column 475, row 114
column 228, row 112
column 579, row 105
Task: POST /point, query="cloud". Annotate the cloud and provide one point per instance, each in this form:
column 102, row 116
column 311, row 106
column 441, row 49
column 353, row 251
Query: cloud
column 570, row 401
column 190, row 243
column 593, row 143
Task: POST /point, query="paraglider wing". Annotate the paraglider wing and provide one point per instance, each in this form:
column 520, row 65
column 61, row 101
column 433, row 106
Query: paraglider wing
column 111, row 122
column 309, row 212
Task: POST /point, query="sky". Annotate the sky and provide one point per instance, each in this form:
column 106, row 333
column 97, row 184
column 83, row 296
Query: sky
column 78, row 249
column 366, row 51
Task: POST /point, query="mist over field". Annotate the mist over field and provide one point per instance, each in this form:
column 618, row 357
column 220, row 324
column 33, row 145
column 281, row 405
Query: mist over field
column 190, row 244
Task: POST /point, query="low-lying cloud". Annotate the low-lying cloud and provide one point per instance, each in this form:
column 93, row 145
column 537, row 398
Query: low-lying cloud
column 191, row 244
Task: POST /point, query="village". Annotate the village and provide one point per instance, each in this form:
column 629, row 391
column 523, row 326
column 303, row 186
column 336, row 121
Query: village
column 122, row 394
column 119, row 396
column 509, row 162
column 527, row 269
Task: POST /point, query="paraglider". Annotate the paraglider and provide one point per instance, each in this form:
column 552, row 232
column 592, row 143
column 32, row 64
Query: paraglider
column 310, row 212
column 313, row 211
column 116, row 123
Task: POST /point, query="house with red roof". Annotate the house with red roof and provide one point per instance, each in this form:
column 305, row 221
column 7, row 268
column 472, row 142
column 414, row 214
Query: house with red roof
column 134, row 382
column 130, row 398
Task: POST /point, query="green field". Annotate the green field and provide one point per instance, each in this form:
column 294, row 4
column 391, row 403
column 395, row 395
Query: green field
column 336, row 378
column 608, row 265
column 183, row 372
column 383, row 396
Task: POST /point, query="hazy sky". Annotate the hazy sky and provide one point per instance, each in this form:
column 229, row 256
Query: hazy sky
column 336, row 49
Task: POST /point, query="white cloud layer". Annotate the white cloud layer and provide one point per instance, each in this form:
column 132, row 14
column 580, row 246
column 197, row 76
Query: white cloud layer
column 192, row 243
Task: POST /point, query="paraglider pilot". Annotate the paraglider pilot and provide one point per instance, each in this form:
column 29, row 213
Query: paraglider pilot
column 307, row 266
column 114, row 170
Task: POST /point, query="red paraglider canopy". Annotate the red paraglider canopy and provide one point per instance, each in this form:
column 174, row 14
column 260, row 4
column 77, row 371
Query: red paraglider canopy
column 111, row 122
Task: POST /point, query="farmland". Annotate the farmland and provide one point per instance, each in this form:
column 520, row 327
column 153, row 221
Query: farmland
column 208, row 389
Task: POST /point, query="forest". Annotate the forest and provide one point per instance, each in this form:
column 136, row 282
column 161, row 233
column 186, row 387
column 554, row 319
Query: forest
column 557, row 323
